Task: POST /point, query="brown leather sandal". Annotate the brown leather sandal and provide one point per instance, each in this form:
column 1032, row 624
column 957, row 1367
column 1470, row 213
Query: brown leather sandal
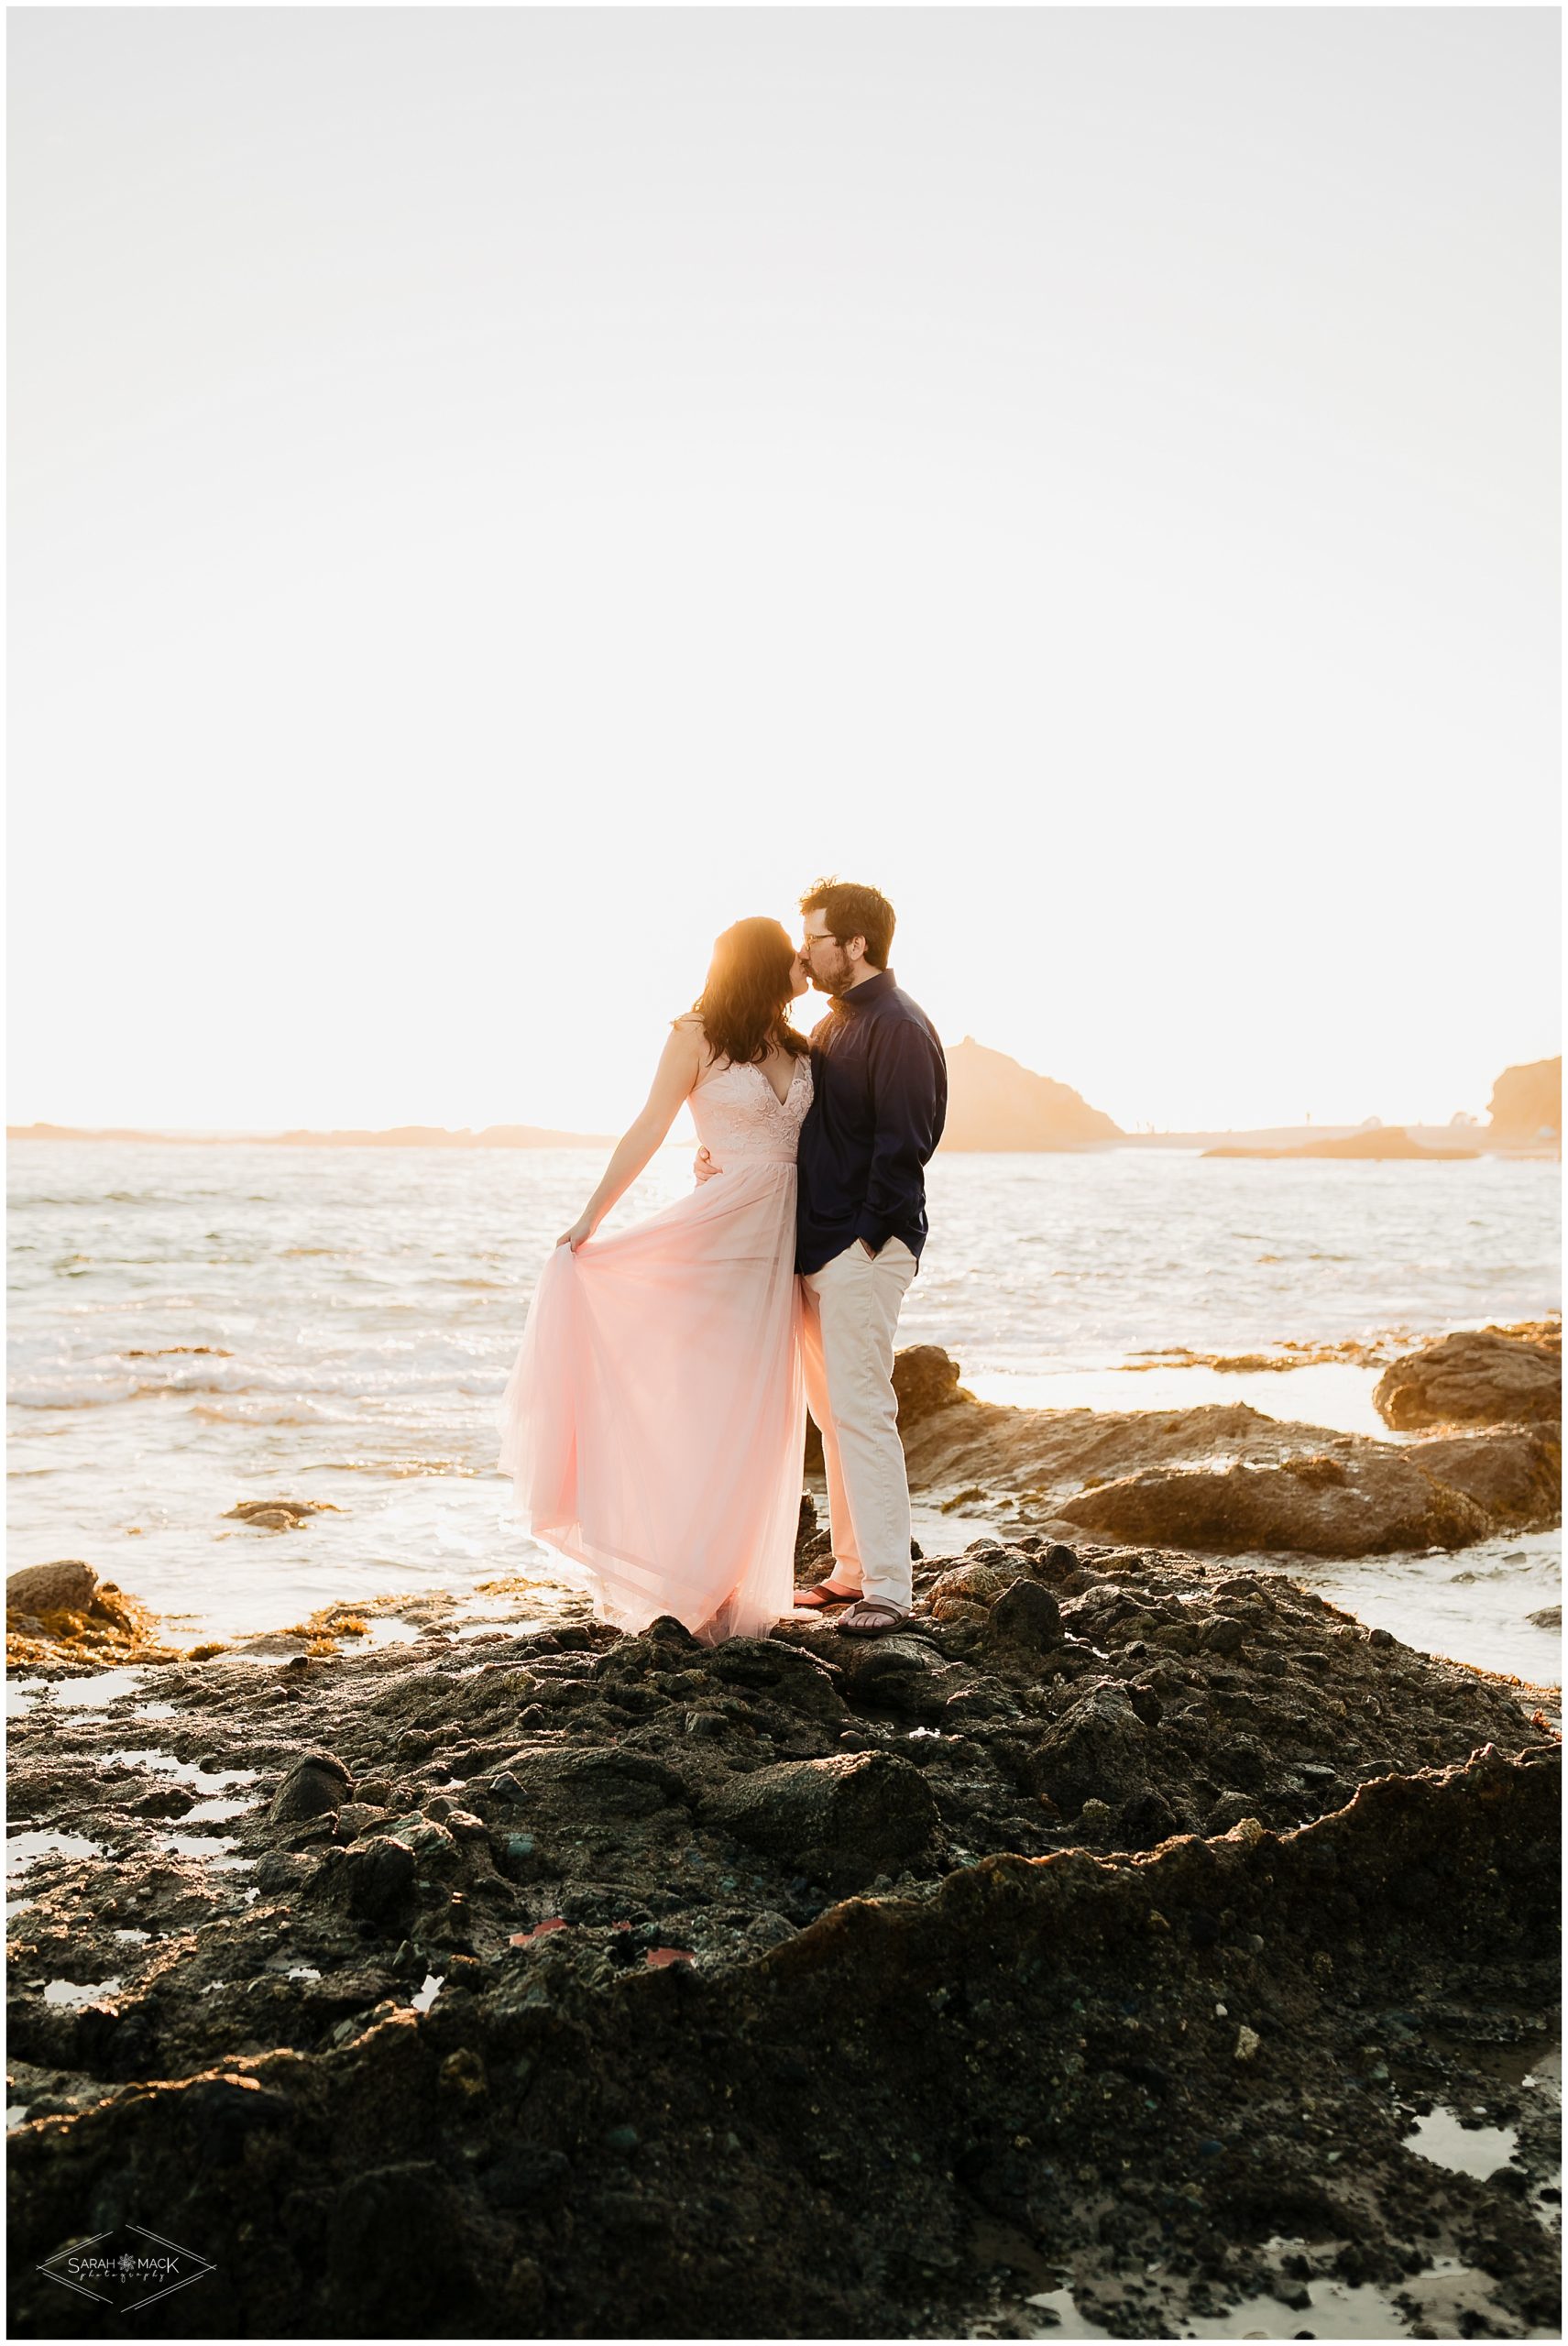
column 875, row 1618
column 818, row 1598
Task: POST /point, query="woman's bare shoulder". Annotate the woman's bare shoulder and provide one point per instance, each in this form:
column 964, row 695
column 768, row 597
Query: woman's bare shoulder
column 689, row 1032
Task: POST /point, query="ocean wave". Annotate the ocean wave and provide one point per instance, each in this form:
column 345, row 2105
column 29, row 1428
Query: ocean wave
column 400, row 1469
column 262, row 1413
column 82, row 1393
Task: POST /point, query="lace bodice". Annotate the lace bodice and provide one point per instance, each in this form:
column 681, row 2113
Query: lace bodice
column 737, row 1112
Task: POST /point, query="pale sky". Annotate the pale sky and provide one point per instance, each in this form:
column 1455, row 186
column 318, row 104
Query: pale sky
column 497, row 494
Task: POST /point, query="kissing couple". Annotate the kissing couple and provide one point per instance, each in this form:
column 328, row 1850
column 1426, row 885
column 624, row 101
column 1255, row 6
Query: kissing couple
column 654, row 1422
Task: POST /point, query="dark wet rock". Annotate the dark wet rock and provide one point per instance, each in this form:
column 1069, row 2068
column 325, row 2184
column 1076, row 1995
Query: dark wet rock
column 1054, row 1560
column 803, row 1680
column 1098, row 1749
column 1475, row 1377
column 667, row 1631
column 783, row 1963
column 572, row 1789
column 840, row 1821
column 376, row 1881
column 1230, row 1810
column 221, row 2113
column 1028, row 1616
column 522, row 2176
column 316, row 1785
column 1144, row 1821
column 407, row 2253
column 897, row 1673
column 1058, row 2039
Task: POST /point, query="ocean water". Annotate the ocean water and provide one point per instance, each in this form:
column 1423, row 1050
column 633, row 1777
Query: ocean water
column 193, row 1326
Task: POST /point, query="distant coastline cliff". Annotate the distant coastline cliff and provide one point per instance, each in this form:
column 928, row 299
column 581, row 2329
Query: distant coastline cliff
column 995, row 1104
column 1527, row 1103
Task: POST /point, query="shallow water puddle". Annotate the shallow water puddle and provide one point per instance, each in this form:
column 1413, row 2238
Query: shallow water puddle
column 1442, row 2138
column 1440, row 2299
column 156, row 1711
column 134, row 1938
column 27, row 1848
column 1342, row 2309
column 186, row 1771
column 1062, row 2318
column 16, row 2114
column 94, row 1694
column 428, row 1992
column 70, row 1991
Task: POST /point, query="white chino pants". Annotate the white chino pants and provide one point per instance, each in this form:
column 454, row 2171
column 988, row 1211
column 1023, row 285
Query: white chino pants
column 851, row 1308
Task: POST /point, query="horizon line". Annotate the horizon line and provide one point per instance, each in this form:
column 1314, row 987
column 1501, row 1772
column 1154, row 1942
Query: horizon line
column 414, row 1135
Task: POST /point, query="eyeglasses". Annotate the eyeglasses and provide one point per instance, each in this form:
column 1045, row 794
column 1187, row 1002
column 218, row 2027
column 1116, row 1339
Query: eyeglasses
column 808, row 941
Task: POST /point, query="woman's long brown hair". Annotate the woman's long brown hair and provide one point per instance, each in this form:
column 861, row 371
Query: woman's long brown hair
column 744, row 1007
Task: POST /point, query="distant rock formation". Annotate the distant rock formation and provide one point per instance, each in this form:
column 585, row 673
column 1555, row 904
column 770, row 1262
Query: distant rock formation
column 1527, row 1103
column 993, row 1103
column 1380, row 1142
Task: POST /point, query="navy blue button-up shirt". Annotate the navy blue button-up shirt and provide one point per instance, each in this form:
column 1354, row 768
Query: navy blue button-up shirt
column 879, row 1101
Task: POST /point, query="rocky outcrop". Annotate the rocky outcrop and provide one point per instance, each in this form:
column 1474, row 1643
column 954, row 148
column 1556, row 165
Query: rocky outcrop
column 279, row 1515
column 1316, row 1504
column 842, row 1820
column 995, row 1104
column 1224, row 1480
column 1475, row 1378
column 69, row 1587
column 1514, row 1476
column 1378, row 1143
column 1526, row 1106
column 925, row 1382
column 64, row 1609
column 561, row 2025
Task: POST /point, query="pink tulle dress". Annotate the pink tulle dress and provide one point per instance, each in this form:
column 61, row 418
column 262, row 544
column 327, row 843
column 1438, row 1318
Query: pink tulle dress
column 654, row 1421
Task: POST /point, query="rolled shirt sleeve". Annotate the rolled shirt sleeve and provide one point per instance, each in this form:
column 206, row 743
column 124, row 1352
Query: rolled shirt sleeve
column 908, row 1081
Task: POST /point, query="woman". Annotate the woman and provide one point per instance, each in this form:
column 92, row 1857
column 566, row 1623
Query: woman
column 654, row 1421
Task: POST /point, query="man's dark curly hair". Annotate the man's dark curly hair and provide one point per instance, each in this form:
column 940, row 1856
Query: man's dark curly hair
column 851, row 910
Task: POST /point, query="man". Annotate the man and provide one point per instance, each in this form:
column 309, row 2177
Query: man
column 880, row 1099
